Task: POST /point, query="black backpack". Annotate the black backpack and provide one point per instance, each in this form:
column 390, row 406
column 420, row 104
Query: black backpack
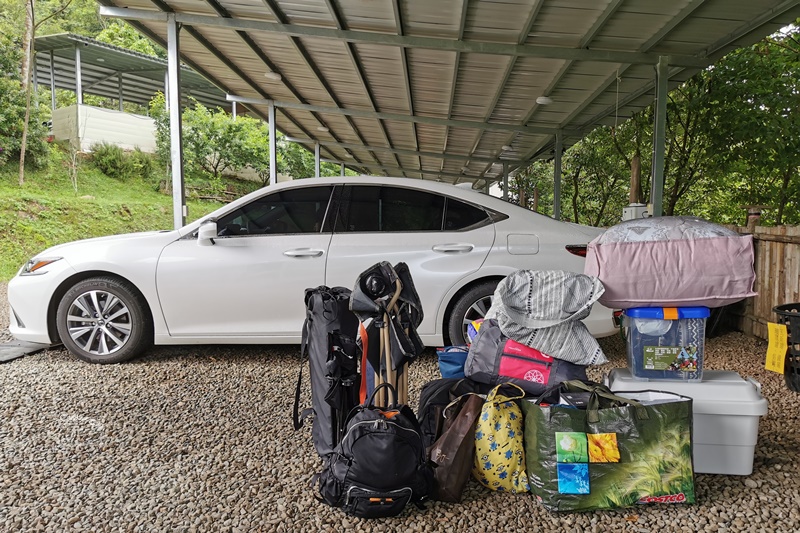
column 380, row 465
column 329, row 338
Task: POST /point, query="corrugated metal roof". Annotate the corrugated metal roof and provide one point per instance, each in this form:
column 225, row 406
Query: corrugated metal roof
column 101, row 63
column 436, row 89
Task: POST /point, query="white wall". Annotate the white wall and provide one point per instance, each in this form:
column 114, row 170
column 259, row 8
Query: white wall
column 104, row 125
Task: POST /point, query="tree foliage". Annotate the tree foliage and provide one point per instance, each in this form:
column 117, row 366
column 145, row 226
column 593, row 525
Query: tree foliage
column 732, row 139
column 215, row 143
column 12, row 112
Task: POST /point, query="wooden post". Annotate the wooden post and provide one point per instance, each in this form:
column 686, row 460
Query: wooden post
column 753, row 216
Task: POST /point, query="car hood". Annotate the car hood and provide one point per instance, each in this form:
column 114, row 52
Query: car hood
column 76, row 246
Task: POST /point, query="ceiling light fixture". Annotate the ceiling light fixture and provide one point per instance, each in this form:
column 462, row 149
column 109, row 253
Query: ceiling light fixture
column 275, row 76
column 101, row 60
column 544, row 100
column 323, row 128
column 464, row 169
column 507, row 147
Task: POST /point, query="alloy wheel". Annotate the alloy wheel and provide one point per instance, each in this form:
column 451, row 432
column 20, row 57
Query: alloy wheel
column 99, row 322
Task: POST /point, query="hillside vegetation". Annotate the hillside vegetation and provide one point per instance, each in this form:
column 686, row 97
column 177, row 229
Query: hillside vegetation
column 48, row 210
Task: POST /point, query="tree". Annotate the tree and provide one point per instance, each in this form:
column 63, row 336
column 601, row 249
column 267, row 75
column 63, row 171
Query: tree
column 28, row 35
column 755, row 131
column 120, row 33
column 13, row 108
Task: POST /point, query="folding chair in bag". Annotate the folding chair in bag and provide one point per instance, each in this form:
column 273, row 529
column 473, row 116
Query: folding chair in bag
column 389, row 310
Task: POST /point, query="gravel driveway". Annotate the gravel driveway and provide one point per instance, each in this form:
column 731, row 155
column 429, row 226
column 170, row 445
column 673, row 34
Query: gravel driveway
column 200, row 439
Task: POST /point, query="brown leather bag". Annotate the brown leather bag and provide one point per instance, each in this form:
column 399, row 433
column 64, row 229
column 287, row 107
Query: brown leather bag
column 451, row 456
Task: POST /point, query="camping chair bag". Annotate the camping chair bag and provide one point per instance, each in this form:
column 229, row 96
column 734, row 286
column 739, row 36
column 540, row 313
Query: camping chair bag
column 329, row 339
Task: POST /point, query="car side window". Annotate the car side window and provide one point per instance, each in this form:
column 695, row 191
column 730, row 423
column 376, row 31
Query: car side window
column 369, row 208
column 460, row 216
column 291, row 211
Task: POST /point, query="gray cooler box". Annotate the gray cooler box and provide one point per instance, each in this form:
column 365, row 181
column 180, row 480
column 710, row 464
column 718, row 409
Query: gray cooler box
column 726, row 415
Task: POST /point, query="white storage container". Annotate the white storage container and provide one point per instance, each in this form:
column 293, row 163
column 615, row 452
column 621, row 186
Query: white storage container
column 726, row 415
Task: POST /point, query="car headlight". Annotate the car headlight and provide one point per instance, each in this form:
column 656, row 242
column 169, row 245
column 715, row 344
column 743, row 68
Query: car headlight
column 34, row 266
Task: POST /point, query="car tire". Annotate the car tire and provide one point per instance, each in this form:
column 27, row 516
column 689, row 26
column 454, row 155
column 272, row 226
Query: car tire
column 104, row 320
column 470, row 306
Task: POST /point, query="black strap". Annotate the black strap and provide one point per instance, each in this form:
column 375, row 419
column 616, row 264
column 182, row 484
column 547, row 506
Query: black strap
column 296, row 418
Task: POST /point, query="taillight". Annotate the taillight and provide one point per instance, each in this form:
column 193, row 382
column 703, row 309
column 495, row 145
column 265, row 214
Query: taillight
column 577, row 249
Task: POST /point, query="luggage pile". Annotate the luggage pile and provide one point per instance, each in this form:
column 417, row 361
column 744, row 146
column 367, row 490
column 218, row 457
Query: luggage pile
column 514, row 410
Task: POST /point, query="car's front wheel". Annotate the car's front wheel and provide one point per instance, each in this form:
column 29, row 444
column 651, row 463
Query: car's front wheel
column 104, row 320
column 471, row 305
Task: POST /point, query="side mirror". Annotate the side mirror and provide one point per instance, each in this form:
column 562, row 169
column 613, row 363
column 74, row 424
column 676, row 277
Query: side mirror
column 207, row 233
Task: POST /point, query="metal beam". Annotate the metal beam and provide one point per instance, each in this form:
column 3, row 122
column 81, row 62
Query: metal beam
column 175, row 122
column 78, row 82
column 523, row 36
column 316, row 160
column 505, row 181
column 659, row 138
column 52, row 82
column 557, row 179
column 273, row 152
column 535, row 130
column 398, row 18
column 453, row 83
column 401, row 151
column 119, row 91
column 406, row 41
column 585, row 41
column 362, row 78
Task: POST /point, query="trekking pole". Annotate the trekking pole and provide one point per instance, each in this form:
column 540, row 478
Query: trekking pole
column 391, row 374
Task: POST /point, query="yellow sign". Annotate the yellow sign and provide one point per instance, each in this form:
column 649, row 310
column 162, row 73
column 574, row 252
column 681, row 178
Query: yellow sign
column 776, row 351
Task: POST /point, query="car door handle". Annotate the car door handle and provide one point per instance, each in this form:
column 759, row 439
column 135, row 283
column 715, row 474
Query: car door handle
column 303, row 252
column 453, row 248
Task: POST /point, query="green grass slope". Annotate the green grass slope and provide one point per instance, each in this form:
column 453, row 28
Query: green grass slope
column 48, row 210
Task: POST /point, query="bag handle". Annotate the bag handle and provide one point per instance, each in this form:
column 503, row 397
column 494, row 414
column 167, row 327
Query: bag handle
column 495, row 390
column 375, row 391
column 457, row 400
column 597, row 391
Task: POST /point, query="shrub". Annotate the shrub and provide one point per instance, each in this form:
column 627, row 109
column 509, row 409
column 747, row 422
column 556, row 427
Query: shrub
column 142, row 164
column 111, row 160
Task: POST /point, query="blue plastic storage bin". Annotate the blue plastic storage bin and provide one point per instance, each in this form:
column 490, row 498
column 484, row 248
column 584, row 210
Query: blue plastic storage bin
column 666, row 343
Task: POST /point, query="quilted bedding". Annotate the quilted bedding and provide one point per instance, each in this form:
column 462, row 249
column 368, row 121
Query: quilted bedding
column 671, row 262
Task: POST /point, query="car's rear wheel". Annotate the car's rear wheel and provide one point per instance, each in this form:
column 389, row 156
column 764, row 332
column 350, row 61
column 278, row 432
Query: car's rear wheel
column 471, row 305
column 104, row 320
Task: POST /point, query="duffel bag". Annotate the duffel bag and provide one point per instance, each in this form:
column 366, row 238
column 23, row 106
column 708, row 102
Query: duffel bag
column 494, row 359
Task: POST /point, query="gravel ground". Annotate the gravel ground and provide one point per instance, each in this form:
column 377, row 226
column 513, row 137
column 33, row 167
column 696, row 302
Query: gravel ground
column 200, row 439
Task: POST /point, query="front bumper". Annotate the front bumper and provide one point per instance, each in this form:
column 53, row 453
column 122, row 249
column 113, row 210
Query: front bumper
column 29, row 298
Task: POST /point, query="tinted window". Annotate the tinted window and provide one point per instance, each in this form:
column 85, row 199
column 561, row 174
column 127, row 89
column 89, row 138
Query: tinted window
column 461, row 216
column 300, row 210
column 383, row 208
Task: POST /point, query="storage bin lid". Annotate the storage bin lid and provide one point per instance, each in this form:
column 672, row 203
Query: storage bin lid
column 721, row 392
column 671, row 313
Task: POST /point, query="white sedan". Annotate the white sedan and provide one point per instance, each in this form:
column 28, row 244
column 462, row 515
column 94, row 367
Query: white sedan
column 239, row 274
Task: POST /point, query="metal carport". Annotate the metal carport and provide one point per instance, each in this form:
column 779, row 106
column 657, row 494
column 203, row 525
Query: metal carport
column 88, row 66
column 450, row 90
